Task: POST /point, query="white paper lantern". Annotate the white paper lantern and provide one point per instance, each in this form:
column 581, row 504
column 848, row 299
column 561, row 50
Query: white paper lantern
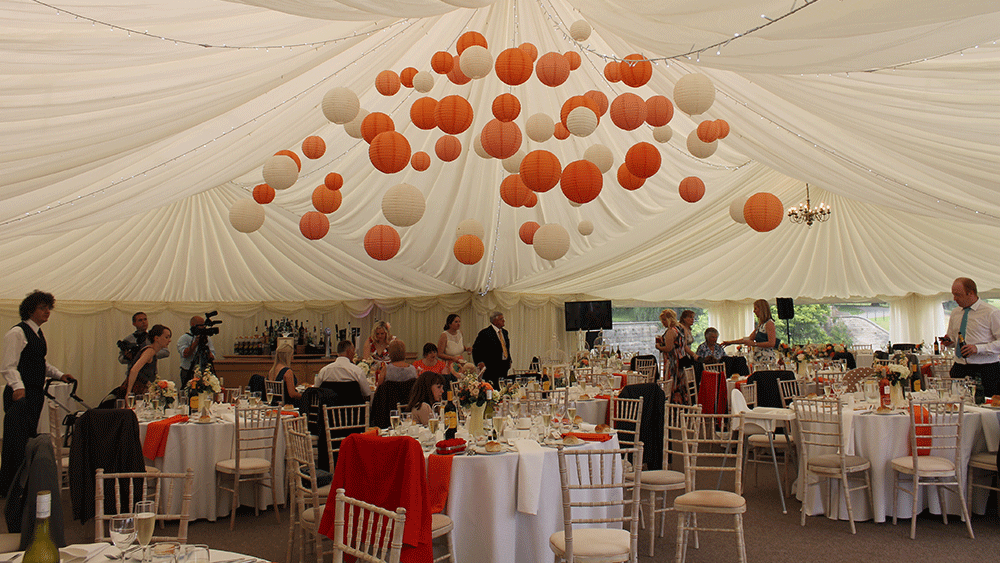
column 340, row 105
column 513, row 164
column 403, row 205
column 353, row 127
column 580, row 30
column 551, row 241
column 540, row 127
column 581, row 121
column 736, row 210
column 694, row 94
column 585, row 228
column 246, row 215
column 699, row 148
column 477, row 145
column 470, row 227
column 662, row 134
column 423, row 82
column 601, row 156
column 475, row 61
column 280, row 172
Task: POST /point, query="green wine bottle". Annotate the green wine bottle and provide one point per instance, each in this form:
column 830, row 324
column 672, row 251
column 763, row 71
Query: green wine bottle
column 42, row 549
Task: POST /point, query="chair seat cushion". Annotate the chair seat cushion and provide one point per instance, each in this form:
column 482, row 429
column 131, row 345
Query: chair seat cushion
column 714, row 501
column 832, row 461
column 593, row 542
column 985, row 460
column 309, row 514
column 247, row 465
column 440, row 524
column 662, row 477
column 780, row 440
column 926, row 464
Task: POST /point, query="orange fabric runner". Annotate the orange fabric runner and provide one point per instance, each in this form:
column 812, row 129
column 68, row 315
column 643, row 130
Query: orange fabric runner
column 155, row 444
column 590, row 436
column 607, row 411
column 438, row 481
column 923, row 417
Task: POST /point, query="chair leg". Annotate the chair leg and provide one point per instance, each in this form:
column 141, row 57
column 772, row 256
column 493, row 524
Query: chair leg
column 652, row 521
column 913, row 510
column 966, row 513
column 895, row 497
column 681, row 546
column 805, row 499
column 739, row 538
column 236, row 500
column 845, row 486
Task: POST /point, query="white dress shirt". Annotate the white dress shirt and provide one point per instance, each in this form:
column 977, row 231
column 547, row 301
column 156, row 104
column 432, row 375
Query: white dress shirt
column 343, row 370
column 982, row 329
column 13, row 344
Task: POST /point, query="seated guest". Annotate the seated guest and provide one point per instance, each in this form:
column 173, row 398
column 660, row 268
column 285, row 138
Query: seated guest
column 426, row 392
column 343, row 370
column 397, row 369
column 430, row 361
column 710, row 351
column 282, row 371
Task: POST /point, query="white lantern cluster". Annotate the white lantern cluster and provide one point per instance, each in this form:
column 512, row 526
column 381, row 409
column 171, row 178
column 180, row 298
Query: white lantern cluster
column 580, row 30
column 540, row 127
column 699, row 148
column 581, row 121
column 423, row 82
column 475, row 62
column 601, row 156
column 470, row 227
column 353, row 127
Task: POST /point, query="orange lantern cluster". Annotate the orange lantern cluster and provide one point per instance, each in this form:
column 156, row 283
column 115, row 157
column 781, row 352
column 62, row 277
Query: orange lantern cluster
column 763, row 212
column 382, row 242
column 313, row 147
column 540, row 170
column 635, row 70
column 263, row 194
column 448, row 148
column 501, row 139
column 691, row 189
column 581, row 181
column 389, row 152
column 326, row 200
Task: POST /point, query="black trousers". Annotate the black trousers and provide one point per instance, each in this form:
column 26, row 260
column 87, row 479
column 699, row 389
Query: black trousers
column 987, row 374
column 20, row 423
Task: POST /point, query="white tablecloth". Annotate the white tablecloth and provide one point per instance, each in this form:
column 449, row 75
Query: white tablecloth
column 60, row 391
column 593, row 411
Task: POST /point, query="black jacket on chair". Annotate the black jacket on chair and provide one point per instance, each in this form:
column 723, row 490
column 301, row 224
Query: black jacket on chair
column 387, row 397
column 768, row 394
column 651, row 426
column 37, row 473
column 106, row 438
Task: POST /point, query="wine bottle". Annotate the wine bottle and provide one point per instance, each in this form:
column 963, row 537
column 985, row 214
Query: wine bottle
column 42, row 549
column 937, row 347
column 450, row 417
column 959, row 345
column 883, row 391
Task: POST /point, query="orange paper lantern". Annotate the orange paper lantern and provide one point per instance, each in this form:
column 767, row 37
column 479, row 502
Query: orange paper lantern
column 532, row 199
column 387, row 83
column 420, row 161
column 659, row 111
column 293, row 156
column 263, row 193
column 575, row 102
column 453, row 114
column 527, row 231
column 513, row 191
column 382, row 242
column 643, row 160
column 636, row 70
column 628, row 111
column 313, row 147
column 581, row 181
column 389, row 152
column 628, row 180
column 529, row 50
column 469, row 249
column 723, row 128
column 456, row 75
column 691, row 189
column 561, row 132
column 708, row 131
column 763, row 212
column 326, row 200
column 470, row 38
column 501, row 139
column 573, row 58
column 442, row 62
column 374, row 123
column 540, row 170
column 448, row 148
column 600, row 99
column 422, row 113
column 406, row 76
column 333, row 181
column 513, row 66
column 506, row 107
column 314, row 225
column 552, row 69
column 613, row 71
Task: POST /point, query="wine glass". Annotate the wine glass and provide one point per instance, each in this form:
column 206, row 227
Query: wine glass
column 269, row 394
column 145, row 519
column 122, row 532
column 432, row 424
column 571, row 414
column 130, row 401
column 394, row 419
column 498, row 424
column 515, row 409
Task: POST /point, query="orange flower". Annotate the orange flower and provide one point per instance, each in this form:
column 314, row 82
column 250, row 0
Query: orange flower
column 162, row 383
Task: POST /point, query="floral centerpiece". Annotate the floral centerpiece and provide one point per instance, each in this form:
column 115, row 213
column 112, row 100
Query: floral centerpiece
column 164, row 391
column 478, row 396
column 895, row 373
column 204, row 381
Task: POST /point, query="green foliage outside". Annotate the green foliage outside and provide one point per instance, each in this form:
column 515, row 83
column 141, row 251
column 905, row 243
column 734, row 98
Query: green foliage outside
column 812, row 324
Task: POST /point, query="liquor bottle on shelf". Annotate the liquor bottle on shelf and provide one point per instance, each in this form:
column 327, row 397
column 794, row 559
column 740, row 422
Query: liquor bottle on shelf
column 450, row 417
column 42, row 549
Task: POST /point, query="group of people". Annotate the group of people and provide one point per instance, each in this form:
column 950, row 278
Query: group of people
column 141, row 349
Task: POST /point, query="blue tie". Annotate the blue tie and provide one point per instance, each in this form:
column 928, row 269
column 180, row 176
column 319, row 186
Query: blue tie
column 961, row 329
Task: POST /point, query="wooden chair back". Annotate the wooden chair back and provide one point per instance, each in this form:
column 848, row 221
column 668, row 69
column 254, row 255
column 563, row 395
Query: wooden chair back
column 366, row 532
column 130, row 488
column 276, row 389
column 937, row 426
column 820, row 428
column 749, row 391
column 626, row 419
column 789, row 389
column 256, row 434
column 340, row 422
column 673, row 428
column 707, row 450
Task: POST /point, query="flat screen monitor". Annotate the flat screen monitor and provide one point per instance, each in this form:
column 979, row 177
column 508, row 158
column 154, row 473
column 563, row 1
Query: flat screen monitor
column 588, row 315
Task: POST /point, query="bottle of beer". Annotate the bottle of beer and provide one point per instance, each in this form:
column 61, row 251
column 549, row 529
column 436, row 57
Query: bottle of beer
column 42, row 549
column 450, row 417
column 959, row 345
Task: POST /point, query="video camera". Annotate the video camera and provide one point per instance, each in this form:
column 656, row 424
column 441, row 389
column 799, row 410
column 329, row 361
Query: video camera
column 209, row 328
column 131, row 349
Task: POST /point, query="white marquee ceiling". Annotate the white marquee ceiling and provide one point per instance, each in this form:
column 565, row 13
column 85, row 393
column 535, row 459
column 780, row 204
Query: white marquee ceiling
column 130, row 128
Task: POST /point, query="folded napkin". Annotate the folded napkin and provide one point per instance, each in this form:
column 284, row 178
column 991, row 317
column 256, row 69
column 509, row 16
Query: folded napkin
column 438, row 481
column 531, row 458
column 589, row 436
column 587, row 427
column 156, row 436
column 77, row 553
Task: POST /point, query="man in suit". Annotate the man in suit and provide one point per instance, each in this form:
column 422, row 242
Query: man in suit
column 492, row 349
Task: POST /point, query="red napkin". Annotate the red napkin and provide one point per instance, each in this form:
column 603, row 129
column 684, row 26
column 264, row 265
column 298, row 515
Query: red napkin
column 438, row 481
column 590, row 436
column 156, row 436
column 293, row 414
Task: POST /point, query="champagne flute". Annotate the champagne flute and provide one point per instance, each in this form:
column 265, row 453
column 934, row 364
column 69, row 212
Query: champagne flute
column 145, row 519
column 498, row 424
column 130, row 401
column 432, row 423
column 394, row 419
column 571, row 414
column 122, row 532
column 270, row 396
column 515, row 408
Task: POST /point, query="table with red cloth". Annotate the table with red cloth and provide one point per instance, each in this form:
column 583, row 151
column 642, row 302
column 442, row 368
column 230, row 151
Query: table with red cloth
column 713, row 393
column 388, row 472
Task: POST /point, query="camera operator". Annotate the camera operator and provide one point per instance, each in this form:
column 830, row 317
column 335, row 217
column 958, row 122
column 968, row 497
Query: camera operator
column 195, row 347
column 128, row 347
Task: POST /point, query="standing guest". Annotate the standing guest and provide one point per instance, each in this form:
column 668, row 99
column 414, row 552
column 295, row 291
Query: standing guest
column 451, row 344
column 342, row 369
column 685, row 324
column 137, row 340
column 710, row 351
column 188, row 345
column 397, row 369
column 491, row 350
column 430, row 361
column 427, row 391
column 25, row 370
column 143, row 370
column 671, row 345
column 762, row 340
column 377, row 345
column 282, row 371
column 979, row 324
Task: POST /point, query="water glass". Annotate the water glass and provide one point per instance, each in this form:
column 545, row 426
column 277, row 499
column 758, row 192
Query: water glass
column 165, row 552
column 122, row 531
column 120, row 403
column 193, row 553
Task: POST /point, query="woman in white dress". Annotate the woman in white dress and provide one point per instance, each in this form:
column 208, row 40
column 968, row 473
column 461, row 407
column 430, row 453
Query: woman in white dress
column 451, row 343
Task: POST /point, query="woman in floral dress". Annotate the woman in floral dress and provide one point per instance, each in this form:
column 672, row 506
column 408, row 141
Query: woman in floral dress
column 671, row 345
column 762, row 340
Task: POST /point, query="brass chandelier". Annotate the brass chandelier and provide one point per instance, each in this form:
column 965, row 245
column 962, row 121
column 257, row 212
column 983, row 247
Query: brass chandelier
column 805, row 213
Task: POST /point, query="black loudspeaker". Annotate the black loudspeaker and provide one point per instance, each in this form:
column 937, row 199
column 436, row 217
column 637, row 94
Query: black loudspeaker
column 786, row 310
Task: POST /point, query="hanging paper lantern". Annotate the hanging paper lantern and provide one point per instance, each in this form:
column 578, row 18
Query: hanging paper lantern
column 581, row 121
column 512, row 164
column 636, row 70
column 313, row 147
column 293, row 156
column 423, row 82
column 691, row 189
column 529, row 50
column 389, row 152
column 468, row 39
column 374, row 123
column 403, row 205
column 246, row 215
column 456, row 75
column 280, row 172
column 527, row 231
column 532, row 199
column 501, row 139
column 353, row 127
column 420, row 161
column 659, row 111
column 628, row 180
column 422, row 113
column 381, row 242
column 333, row 181
column 506, row 107
column 476, row 62
column 539, row 127
column 708, row 131
column 340, row 105
column 552, row 69
column 723, row 128
column 700, row 149
column 601, row 156
column 643, row 160
column 513, row 191
column 551, row 241
column 560, row 132
column 694, row 93
column 581, row 181
column 448, row 148
column 575, row 102
column 314, row 225
column 442, row 62
column 470, row 227
column 573, row 58
column 262, row 193
column 763, row 212
column 540, row 170
column 662, row 134
column 579, row 30
column 469, row 249
column 613, row 71
column 585, row 228
column 628, row 111
column 513, row 66
column 477, row 145
column 406, row 76
column 387, row 83
column 326, row 200
column 453, row 114
column 736, row 210
column 600, row 99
